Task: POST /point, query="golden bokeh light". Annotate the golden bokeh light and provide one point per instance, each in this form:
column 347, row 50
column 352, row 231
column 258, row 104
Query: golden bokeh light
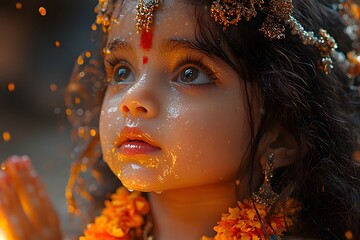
column 80, row 60
column 6, row 136
column 68, row 112
column 77, row 100
column 57, row 43
column 81, row 131
column 42, row 11
column 88, row 54
column 18, row 5
column 356, row 156
column 93, row 27
column 106, row 51
column 53, row 87
column 349, row 235
column 11, row 87
column 93, row 132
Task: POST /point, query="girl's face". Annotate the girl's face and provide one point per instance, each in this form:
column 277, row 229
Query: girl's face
column 172, row 116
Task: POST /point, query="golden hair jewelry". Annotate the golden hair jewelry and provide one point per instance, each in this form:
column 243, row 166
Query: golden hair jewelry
column 279, row 15
column 145, row 14
column 229, row 12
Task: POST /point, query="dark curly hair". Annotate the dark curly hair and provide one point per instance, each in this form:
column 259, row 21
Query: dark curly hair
column 320, row 111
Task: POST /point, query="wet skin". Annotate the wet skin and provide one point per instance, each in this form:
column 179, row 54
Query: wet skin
column 189, row 107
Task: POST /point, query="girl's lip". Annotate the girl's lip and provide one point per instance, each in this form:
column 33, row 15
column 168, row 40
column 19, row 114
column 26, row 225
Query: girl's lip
column 133, row 141
column 136, row 147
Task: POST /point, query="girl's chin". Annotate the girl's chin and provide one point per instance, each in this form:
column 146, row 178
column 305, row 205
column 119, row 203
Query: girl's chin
column 143, row 179
column 142, row 187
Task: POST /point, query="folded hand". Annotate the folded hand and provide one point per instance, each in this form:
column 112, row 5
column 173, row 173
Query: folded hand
column 26, row 211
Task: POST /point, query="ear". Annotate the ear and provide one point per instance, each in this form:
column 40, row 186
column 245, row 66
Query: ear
column 282, row 144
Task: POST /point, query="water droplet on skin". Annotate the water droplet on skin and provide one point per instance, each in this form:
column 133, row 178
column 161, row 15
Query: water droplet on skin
column 130, row 123
column 173, row 111
column 159, row 192
column 133, row 166
column 118, row 119
column 112, row 110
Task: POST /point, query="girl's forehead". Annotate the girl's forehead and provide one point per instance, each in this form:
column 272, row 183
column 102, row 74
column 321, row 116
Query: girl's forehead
column 171, row 17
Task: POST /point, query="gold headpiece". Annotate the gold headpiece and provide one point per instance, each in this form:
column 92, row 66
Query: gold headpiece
column 145, row 14
column 279, row 15
column 230, row 12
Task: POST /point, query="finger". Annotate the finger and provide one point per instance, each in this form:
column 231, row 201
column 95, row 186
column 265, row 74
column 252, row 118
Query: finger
column 34, row 197
column 51, row 218
column 14, row 221
column 20, row 175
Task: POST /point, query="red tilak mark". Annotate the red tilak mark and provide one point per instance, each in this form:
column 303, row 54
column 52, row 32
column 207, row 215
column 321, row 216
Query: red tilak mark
column 145, row 59
column 146, row 40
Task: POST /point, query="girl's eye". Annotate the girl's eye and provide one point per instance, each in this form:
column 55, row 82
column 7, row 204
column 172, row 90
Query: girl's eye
column 123, row 74
column 193, row 76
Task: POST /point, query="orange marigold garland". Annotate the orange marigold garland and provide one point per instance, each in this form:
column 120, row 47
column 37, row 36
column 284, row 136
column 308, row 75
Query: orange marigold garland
column 243, row 222
column 123, row 218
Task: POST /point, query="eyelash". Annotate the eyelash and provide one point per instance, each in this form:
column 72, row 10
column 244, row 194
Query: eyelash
column 112, row 61
column 197, row 62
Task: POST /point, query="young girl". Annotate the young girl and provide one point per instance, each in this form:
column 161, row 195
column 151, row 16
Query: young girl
column 234, row 119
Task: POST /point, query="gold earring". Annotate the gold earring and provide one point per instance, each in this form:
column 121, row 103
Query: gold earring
column 145, row 14
column 265, row 195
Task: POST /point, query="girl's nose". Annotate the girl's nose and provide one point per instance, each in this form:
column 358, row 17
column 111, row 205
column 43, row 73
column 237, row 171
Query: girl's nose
column 137, row 108
column 141, row 100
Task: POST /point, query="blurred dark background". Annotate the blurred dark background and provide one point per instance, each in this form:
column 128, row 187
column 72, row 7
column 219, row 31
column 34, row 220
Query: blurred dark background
column 37, row 54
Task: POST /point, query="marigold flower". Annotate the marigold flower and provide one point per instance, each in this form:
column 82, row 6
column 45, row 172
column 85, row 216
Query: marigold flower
column 122, row 217
column 248, row 221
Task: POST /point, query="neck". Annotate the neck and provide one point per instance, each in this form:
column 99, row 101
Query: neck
column 190, row 213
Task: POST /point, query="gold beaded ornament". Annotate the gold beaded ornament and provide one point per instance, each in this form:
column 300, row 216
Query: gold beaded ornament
column 145, row 14
column 230, row 12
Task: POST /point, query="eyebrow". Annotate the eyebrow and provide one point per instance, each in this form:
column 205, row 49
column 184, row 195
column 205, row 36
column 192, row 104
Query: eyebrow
column 170, row 45
column 119, row 44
